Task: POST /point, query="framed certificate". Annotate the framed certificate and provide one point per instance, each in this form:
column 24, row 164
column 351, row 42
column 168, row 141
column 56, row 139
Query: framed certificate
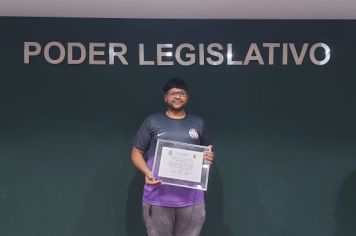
column 181, row 164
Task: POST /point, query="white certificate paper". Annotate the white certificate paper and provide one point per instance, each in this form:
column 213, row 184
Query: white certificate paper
column 181, row 164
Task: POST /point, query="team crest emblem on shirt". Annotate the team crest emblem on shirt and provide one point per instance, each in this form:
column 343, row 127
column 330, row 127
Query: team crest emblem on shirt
column 193, row 133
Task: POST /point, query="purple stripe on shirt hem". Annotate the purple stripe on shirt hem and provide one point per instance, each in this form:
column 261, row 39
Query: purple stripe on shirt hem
column 163, row 204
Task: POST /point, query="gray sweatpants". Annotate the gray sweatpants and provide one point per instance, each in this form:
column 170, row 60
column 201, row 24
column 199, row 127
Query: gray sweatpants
column 172, row 221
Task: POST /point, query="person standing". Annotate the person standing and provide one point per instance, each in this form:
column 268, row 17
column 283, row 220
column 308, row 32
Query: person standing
column 170, row 210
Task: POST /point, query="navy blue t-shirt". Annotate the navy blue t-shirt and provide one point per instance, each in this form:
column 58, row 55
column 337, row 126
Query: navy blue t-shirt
column 191, row 129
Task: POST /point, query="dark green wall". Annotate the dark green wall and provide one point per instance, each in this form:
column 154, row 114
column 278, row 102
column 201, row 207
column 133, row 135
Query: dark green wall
column 284, row 136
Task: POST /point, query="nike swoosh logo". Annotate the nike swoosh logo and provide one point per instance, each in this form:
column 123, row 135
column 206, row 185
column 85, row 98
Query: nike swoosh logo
column 160, row 134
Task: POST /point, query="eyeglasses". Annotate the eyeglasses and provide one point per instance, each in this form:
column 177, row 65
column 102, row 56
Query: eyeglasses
column 175, row 93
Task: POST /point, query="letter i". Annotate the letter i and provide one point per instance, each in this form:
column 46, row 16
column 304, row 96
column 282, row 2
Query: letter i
column 285, row 54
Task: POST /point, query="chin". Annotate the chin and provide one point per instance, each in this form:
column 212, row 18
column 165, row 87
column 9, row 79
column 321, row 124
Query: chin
column 177, row 109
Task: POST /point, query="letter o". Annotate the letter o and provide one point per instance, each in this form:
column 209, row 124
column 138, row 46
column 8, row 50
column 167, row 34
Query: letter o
column 327, row 54
column 61, row 52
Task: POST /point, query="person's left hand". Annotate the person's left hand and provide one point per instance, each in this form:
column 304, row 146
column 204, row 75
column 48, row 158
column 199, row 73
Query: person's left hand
column 209, row 155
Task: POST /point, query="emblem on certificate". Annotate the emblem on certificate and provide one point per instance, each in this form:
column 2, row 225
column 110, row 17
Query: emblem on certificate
column 181, row 164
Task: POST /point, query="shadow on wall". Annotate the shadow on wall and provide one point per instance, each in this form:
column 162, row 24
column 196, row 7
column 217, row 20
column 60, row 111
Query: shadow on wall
column 214, row 198
column 134, row 219
column 345, row 213
column 214, row 224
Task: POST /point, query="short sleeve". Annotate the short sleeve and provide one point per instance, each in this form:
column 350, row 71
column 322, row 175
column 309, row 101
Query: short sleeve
column 206, row 139
column 143, row 136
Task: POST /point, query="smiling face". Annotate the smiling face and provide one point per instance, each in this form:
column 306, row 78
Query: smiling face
column 176, row 99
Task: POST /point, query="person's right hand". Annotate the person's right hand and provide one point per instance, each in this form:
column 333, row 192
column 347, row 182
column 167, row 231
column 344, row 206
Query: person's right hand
column 150, row 180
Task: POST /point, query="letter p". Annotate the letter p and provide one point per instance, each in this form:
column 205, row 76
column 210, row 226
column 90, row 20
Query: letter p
column 31, row 49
